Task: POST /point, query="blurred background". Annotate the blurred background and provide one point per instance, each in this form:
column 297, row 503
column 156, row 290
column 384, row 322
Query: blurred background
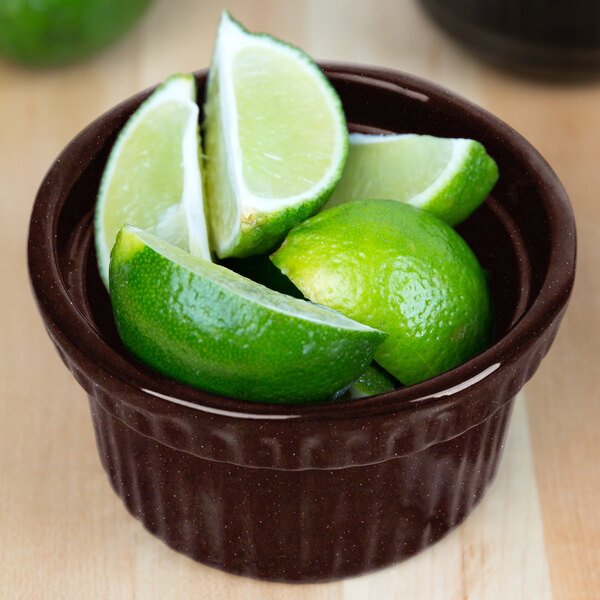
column 63, row 532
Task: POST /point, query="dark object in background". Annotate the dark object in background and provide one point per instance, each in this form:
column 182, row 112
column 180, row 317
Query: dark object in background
column 548, row 37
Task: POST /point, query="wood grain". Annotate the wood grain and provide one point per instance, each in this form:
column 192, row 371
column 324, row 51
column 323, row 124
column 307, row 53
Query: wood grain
column 65, row 534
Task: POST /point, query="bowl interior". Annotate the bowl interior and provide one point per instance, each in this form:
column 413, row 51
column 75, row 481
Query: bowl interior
column 510, row 233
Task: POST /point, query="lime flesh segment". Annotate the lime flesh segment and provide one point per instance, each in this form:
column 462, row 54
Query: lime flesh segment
column 208, row 327
column 401, row 270
column 289, row 152
column 275, row 138
column 449, row 177
column 152, row 178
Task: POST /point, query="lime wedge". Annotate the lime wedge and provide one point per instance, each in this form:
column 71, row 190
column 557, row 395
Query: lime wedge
column 449, row 177
column 152, row 178
column 275, row 139
column 375, row 380
column 206, row 326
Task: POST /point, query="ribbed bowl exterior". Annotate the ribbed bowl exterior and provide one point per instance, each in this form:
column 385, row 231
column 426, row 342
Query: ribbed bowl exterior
column 302, row 524
column 308, row 525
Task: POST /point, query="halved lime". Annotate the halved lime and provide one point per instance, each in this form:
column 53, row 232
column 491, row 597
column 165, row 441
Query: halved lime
column 401, row 270
column 449, row 177
column 275, row 139
column 204, row 325
column 152, row 178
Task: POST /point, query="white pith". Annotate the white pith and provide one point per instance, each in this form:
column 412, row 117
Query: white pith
column 231, row 39
column 192, row 194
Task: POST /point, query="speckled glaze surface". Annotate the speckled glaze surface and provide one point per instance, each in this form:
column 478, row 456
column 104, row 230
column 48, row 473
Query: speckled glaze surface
column 312, row 492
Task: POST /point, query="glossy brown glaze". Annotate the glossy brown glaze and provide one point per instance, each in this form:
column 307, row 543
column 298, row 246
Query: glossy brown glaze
column 312, row 492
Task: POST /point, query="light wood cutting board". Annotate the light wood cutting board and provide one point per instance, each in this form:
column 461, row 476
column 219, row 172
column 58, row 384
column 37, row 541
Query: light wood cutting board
column 65, row 535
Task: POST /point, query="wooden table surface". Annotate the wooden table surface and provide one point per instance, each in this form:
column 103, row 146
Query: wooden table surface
column 65, row 534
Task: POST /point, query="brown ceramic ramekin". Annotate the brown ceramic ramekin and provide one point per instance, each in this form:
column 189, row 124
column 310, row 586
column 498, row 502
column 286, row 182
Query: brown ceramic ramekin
column 312, row 492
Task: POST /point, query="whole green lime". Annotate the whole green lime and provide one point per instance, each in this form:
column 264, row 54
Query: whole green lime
column 50, row 32
column 398, row 269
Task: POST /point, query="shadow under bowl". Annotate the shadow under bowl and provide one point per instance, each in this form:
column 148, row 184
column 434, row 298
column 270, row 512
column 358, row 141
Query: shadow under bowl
column 312, row 492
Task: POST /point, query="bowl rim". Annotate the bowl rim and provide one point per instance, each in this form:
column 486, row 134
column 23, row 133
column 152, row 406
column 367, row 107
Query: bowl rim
column 66, row 322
